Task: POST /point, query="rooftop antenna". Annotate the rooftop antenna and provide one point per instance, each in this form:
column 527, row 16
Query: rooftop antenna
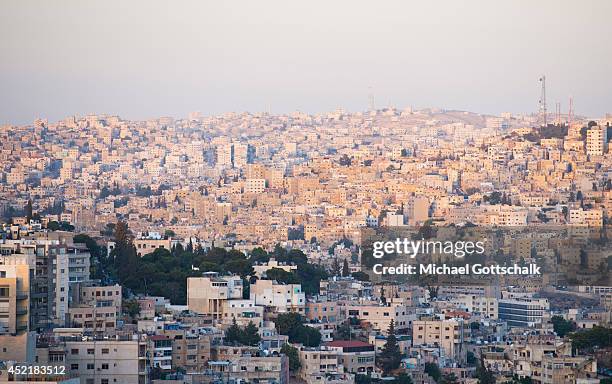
column 543, row 99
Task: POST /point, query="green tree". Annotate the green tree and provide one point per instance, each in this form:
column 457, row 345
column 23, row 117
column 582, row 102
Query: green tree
column 335, row 267
column 390, row 357
column 310, row 277
column 286, row 323
column 343, row 332
column 290, row 324
column 345, row 269
column 250, row 335
column 361, row 276
column 294, row 358
column 98, row 259
column 448, row 378
column 484, row 375
column 233, row 334
column 240, row 267
column 403, row 378
column 259, row 255
column 53, row 226
column 471, row 359
column 282, row 276
column 433, row 371
column 595, row 337
column 28, row 210
column 131, row 308
column 561, row 326
column 124, row 254
column 65, row 226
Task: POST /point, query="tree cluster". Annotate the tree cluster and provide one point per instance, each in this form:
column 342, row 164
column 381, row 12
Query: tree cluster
column 291, row 324
column 164, row 272
column 243, row 336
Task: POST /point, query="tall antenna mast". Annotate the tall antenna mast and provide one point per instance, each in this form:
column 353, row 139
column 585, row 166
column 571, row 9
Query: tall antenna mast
column 371, row 99
column 570, row 112
column 543, row 99
column 558, row 111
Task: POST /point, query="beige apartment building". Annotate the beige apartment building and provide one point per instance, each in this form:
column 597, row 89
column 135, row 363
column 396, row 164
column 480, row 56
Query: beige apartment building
column 249, row 368
column 379, row 316
column 208, row 294
column 589, row 218
column 190, row 351
column 255, row 186
column 102, row 296
column 446, row 334
column 317, row 362
column 486, row 306
column 108, row 361
column 146, row 246
column 597, row 141
column 322, row 310
column 282, row 297
column 354, row 356
column 95, row 319
column 243, row 311
column 565, row 370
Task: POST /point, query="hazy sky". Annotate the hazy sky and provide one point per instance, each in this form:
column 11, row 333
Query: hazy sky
column 142, row 59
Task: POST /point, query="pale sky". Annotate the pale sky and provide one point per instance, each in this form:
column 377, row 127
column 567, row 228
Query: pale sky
column 144, row 59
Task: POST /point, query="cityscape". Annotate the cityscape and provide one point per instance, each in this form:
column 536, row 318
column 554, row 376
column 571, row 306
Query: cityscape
column 292, row 192
column 228, row 248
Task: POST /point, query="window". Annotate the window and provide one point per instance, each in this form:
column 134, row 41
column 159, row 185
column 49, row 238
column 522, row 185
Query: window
column 104, row 381
column 105, row 351
column 74, row 351
column 90, row 366
column 104, row 366
column 74, row 367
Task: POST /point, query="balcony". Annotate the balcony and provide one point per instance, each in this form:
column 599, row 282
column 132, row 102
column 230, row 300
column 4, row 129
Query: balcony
column 22, row 295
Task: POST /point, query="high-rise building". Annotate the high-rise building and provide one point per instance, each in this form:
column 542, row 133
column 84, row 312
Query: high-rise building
column 225, row 155
column 55, row 264
column 597, row 141
column 241, row 155
column 15, row 271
